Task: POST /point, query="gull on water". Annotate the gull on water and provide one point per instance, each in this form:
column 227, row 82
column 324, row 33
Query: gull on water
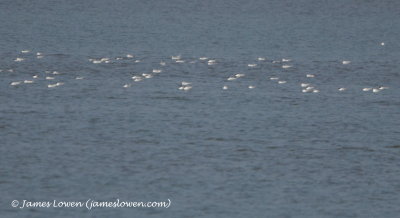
column 382, row 43
column 179, row 61
column 49, row 78
column 231, row 78
column 185, row 86
column 25, row 51
column 162, row 63
column 54, row 85
column 252, row 65
column 127, row 85
column 19, row 59
column 383, row 87
column 35, row 76
column 211, row 62
column 304, row 85
column 285, row 60
column 274, row 78
column 286, row 66
column 28, row 81
column 15, row 83
column 310, row 75
column 261, row 59
column 342, row 89
column 225, row 87
column 147, row 76
column 129, row 56
column 346, row 62
column 79, row 77
column 137, row 61
column 203, row 58
column 176, row 57
column 367, row 89
column 281, row 82
column 238, row 75
column 38, row 53
column 376, row 90
column 157, row 71
column 251, row 87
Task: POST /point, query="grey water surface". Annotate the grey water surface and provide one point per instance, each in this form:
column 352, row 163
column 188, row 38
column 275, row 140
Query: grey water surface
column 271, row 151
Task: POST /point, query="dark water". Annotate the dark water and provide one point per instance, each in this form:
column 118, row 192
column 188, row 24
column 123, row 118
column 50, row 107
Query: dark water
column 271, row 151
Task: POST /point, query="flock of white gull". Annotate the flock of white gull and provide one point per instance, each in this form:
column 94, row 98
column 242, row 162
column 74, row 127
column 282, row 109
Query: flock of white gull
column 184, row 85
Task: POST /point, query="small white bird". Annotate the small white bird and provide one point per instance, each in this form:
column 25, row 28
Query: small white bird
column 162, row 63
column 346, row 62
column 211, row 62
column 203, row 58
column 261, row 59
column 367, row 89
column 157, row 71
column 15, row 83
column 238, row 75
column 19, row 59
column 179, row 61
column 281, row 82
column 137, row 61
column 96, row 61
column 304, row 85
column 176, row 57
column 49, row 78
column 376, row 90
column 285, row 60
column 310, row 75
column 251, row 87
column 129, row 56
column 187, row 88
column 383, row 87
column 342, row 89
column 51, row 85
column 35, row 76
column 382, row 43
column 286, row 66
column 185, row 83
column 225, row 87
column 38, row 53
column 28, row 81
column 274, row 78
column 231, row 78
column 315, row 90
column 55, row 73
column 25, row 51
column 148, row 76
column 310, row 88
column 79, row 77
column 127, row 85
column 252, row 65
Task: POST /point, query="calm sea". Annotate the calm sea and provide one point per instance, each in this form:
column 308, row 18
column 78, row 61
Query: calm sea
column 271, row 150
